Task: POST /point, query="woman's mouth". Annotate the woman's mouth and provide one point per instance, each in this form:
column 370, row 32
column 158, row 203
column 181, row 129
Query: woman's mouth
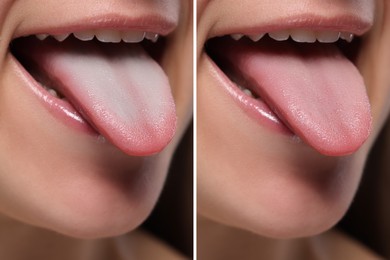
column 103, row 81
column 299, row 82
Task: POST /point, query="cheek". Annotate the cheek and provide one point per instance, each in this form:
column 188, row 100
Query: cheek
column 177, row 63
column 374, row 63
column 4, row 8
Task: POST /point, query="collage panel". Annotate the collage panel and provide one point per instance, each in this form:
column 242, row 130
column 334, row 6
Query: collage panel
column 96, row 101
column 194, row 129
column 292, row 129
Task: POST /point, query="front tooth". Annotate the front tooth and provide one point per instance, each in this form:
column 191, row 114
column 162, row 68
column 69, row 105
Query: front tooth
column 256, row 37
column 236, row 36
column 300, row 35
column 279, row 35
column 42, row 36
column 84, row 35
column 108, row 36
column 328, row 36
column 151, row 36
column 61, row 37
column 346, row 36
column 132, row 37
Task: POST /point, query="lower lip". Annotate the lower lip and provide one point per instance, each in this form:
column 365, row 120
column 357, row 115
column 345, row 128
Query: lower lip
column 59, row 108
column 254, row 108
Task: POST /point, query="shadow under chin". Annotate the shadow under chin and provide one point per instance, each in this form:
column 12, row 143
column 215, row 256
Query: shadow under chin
column 171, row 220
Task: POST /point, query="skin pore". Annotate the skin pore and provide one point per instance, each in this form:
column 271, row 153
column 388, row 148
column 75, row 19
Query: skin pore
column 58, row 178
column 254, row 183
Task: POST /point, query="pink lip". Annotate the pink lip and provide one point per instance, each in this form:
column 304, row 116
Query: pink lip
column 343, row 23
column 60, row 109
column 255, row 108
column 160, row 17
column 149, row 23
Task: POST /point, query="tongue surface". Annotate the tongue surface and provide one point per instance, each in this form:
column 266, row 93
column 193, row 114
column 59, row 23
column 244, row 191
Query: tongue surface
column 120, row 90
column 313, row 88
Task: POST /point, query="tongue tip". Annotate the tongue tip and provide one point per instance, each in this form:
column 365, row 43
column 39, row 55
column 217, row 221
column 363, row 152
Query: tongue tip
column 147, row 142
column 346, row 143
column 340, row 150
column 142, row 149
column 145, row 150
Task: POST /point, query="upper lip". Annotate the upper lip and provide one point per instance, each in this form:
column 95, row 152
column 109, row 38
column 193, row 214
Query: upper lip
column 154, row 23
column 160, row 17
column 356, row 18
column 341, row 23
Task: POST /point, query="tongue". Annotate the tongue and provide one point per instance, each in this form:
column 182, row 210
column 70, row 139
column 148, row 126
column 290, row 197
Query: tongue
column 313, row 88
column 120, row 91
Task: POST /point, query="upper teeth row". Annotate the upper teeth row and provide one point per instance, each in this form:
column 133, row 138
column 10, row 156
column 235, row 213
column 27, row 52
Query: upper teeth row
column 301, row 35
column 105, row 36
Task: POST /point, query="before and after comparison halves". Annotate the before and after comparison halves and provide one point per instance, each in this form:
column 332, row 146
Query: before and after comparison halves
column 194, row 129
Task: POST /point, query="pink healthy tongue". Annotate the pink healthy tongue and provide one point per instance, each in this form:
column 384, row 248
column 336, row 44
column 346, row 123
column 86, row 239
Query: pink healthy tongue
column 315, row 90
column 119, row 89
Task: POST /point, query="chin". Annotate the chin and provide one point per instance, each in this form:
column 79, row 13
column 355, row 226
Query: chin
column 102, row 212
column 100, row 222
column 92, row 204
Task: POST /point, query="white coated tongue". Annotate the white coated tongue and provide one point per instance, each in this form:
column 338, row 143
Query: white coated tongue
column 313, row 88
column 118, row 88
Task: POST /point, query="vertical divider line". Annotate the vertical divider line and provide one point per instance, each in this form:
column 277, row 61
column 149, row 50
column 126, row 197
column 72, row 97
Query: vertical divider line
column 194, row 68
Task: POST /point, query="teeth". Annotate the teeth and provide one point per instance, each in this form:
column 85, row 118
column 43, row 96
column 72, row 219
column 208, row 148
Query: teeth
column 84, row 35
column 237, row 36
column 151, row 36
column 303, row 36
column 53, row 92
column 106, row 36
column 279, row 35
column 133, row 36
column 346, row 36
column 248, row 92
column 256, row 37
column 300, row 35
column 42, row 36
column 61, row 37
column 328, row 37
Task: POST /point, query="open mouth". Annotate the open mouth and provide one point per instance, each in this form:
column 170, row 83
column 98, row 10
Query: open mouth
column 302, row 82
column 107, row 82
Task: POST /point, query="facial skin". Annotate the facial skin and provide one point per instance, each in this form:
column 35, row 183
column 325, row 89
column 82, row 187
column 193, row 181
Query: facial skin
column 59, row 178
column 254, row 178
